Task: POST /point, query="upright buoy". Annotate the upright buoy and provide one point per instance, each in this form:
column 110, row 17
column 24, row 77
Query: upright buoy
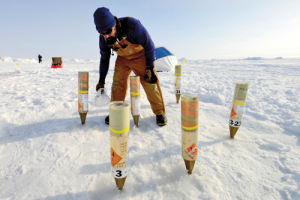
column 238, row 107
column 135, row 98
column 83, row 95
column 189, row 129
column 119, row 113
column 178, row 80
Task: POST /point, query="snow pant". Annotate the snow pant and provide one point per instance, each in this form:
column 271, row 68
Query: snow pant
column 123, row 69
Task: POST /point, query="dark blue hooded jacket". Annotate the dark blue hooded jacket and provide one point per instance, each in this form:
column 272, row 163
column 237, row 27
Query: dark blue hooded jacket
column 136, row 34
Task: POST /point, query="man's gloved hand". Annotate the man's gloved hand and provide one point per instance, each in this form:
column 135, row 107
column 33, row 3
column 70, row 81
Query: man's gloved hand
column 150, row 76
column 99, row 85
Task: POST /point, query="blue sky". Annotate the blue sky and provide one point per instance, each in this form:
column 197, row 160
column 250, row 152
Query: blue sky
column 190, row 29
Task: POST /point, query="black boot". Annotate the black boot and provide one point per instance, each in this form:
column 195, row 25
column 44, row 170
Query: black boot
column 107, row 120
column 161, row 120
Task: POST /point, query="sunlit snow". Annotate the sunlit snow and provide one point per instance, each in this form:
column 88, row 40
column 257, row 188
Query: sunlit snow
column 46, row 153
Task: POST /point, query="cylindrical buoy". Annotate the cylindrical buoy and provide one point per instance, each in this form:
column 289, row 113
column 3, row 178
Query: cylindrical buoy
column 189, row 129
column 135, row 98
column 83, row 95
column 238, row 107
column 178, row 81
column 119, row 117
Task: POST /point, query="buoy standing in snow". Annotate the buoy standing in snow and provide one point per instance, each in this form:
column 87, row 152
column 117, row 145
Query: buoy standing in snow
column 119, row 114
column 83, row 92
column 238, row 107
column 189, row 129
column 135, row 98
column 178, row 76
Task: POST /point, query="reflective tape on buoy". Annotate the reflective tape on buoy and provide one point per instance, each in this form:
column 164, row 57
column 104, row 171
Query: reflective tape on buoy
column 240, row 104
column 83, row 92
column 121, row 131
column 190, row 128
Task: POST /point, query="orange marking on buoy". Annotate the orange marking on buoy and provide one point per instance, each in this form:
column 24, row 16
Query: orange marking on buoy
column 233, row 113
column 189, row 109
column 115, row 158
column 79, row 106
column 192, row 151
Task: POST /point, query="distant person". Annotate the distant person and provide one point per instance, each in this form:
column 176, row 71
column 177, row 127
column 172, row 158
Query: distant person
column 130, row 40
column 40, row 58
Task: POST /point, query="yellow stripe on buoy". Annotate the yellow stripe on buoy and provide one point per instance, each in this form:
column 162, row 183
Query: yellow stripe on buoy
column 190, row 128
column 121, row 131
column 135, row 93
column 240, row 104
column 178, row 74
column 83, row 92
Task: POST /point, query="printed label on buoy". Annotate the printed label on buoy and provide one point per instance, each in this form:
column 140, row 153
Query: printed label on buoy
column 236, row 115
column 177, row 92
column 137, row 107
column 189, row 144
column 192, row 151
column 85, row 101
column 179, row 82
column 119, row 156
column 115, row 158
column 120, row 173
column 119, row 147
column 240, row 109
column 235, row 123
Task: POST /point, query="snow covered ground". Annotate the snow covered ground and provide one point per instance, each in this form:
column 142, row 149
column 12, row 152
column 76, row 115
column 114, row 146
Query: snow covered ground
column 46, row 153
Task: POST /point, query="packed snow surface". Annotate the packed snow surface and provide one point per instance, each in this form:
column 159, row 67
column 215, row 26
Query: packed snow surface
column 46, row 153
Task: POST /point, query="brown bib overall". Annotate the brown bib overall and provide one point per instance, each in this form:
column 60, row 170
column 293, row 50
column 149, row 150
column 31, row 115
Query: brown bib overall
column 133, row 58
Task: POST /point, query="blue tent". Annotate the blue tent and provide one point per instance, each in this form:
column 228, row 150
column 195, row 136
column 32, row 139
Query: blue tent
column 164, row 59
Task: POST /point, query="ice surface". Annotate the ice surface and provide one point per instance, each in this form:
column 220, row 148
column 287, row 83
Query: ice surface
column 46, row 153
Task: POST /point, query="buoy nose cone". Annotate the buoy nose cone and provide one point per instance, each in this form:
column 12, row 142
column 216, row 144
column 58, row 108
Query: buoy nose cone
column 189, row 164
column 82, row 117
column 233, row 131
column 120, row 182
column 177, row 97
column 136, row 119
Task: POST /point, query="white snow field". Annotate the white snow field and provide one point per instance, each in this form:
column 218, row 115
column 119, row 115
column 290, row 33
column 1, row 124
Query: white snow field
column 46, row 153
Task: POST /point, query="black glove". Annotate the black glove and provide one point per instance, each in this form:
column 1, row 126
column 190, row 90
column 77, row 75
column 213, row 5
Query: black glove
column 150, row 76
column 99, row 85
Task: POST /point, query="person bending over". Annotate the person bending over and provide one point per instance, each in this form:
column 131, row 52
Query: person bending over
column 130, row 40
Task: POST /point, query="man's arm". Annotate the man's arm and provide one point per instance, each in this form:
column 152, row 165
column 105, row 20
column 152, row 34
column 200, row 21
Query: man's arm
column 143, row 38
column 104, row 60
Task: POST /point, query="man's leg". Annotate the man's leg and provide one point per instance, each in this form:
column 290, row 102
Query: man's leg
column 120, row 80
column 153, row 91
